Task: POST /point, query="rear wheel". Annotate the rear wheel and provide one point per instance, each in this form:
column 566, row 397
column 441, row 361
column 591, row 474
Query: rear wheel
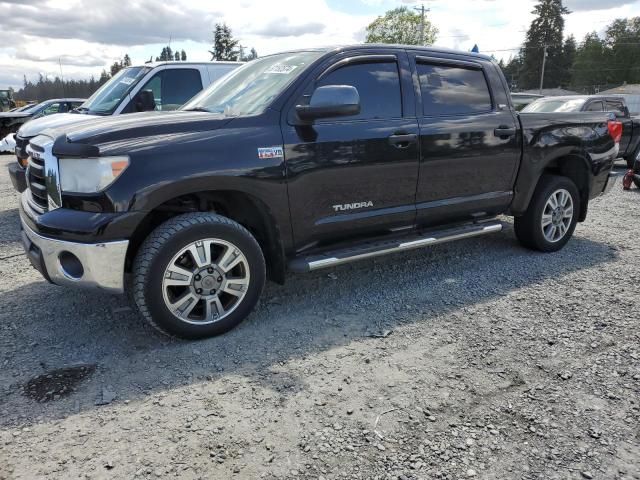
column 198, row 275
column 551, row 218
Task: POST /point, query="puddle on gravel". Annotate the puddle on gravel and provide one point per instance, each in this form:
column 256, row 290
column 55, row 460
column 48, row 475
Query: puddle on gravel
column 58, row 383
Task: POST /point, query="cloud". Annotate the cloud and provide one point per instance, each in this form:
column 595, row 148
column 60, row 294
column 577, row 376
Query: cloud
column 281, row 27
column 112, row 22
column 85, row 59
column 590, row 5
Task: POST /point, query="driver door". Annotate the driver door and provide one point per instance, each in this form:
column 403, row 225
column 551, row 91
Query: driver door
column 355, row 175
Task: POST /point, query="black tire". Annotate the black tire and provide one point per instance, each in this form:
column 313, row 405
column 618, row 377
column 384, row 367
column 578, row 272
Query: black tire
column 528, row 227
column 157, row 253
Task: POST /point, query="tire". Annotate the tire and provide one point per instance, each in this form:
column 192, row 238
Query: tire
column 529, row 227
column 637, row 182
column 185, row 292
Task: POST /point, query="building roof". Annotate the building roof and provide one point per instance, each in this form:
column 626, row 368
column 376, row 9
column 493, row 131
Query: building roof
column 552, row 92
column 630, row 89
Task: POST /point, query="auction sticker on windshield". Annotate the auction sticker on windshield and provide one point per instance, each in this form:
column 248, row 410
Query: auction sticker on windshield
column 280, row 68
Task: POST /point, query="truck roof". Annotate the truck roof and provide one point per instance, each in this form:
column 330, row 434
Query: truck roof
column 173, row 62
column 386, row 46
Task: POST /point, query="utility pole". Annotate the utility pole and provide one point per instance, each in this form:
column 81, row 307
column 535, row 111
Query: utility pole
column 544, row 62
column 422, row 11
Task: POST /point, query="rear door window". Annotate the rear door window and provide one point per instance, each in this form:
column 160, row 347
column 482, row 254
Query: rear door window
column 615, row 106
column 453, row 90
column 378, row 84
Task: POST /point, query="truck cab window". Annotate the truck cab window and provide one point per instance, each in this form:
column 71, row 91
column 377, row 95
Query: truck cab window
column 453, row 90
column 595, row 107
column 378, row 85
column 172, row 88
column 616, row 107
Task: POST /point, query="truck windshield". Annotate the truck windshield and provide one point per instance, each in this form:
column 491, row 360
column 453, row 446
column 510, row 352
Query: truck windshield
column 560, row 105
column 251, row 88
column 107, row 98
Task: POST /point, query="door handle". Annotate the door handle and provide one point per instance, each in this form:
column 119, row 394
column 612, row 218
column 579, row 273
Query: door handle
column 403, row 140
column 504, row 131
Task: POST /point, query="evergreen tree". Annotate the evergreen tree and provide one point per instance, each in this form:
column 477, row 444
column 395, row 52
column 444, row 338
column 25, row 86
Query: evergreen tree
column 183, row 56
column 176, row 56
column 253, row 54
column 126, row 60
column 224, row 45
column 590, row 67
column 545, row 30
column 569, row 50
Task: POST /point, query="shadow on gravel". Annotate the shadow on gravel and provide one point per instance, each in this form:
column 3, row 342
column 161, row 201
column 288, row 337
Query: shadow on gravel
column 43, row 328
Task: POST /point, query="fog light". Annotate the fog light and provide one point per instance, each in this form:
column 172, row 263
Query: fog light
column 71, row 265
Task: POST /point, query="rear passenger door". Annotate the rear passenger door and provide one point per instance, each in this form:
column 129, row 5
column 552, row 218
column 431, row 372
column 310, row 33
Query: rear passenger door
column 355, row 175
column 469, row 144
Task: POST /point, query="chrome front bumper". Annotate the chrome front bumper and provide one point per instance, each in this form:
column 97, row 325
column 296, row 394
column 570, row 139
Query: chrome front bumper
column 102, row 263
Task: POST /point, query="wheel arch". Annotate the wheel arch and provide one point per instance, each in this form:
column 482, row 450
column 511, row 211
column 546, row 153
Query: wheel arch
column 575, row 166
column 248, row 210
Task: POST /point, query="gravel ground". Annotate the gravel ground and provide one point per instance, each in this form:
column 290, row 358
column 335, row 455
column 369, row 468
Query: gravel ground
column 476, row 359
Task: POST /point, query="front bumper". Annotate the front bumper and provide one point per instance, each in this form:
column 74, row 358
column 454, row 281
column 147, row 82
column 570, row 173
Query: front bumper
column 18, row 177
column 93, row 265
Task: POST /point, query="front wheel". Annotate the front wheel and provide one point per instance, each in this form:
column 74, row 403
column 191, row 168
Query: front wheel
column 198, row 275
column 551, row 218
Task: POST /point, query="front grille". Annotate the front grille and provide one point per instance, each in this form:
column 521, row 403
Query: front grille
column 37, row 182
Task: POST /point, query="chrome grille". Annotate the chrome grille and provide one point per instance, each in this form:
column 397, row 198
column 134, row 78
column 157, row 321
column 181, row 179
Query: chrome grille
column 43, row 189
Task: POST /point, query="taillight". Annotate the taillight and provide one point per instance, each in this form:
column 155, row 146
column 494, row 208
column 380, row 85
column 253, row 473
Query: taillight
column 615, row 130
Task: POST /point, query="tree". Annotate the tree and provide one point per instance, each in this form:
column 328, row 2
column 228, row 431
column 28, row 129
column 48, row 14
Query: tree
column 224, row 45
column 401, row 25
column 183, row 56
column 176, row 56
column 126, row 60
column 545, row 30
column 569, row 50
column 252, row 55
column 590, row 67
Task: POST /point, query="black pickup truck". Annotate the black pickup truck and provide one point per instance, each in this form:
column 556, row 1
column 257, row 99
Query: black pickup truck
column 300, row 161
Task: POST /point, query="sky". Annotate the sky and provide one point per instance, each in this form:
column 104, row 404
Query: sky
column 81, row 37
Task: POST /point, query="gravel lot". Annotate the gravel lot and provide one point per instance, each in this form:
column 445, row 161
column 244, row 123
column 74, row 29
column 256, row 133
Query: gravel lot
column 476, row 359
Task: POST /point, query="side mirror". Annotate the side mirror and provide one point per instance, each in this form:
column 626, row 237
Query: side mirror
column 145, row 101
column 330, row 101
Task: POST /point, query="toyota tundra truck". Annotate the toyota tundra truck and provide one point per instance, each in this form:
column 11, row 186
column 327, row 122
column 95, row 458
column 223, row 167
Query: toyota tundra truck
column 300, row 161
column 157, row 86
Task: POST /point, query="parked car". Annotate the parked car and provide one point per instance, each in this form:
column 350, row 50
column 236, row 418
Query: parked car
column 10, row 122
column 630, row 142
column 300, row 161
column 159, row 86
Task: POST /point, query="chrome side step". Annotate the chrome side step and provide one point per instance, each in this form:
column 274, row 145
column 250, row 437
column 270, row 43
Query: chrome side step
column 384, row 247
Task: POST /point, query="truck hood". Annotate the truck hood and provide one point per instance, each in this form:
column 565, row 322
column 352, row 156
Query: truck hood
column 126, row 132
column 14, row 115
column 38, row 125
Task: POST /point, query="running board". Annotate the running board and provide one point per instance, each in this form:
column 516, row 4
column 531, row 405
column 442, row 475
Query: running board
column 383, row 247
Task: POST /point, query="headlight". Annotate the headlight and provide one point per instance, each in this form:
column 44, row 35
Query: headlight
column 90, row 175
